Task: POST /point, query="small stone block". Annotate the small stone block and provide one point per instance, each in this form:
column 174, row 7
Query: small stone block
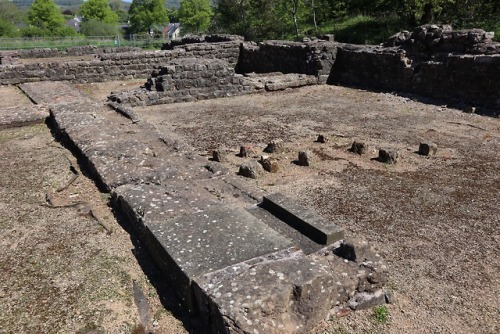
column 364, row 300
column 247, row 151
column 302, row 219
column 251, row 169
column 322, row 139
column 219, row 156
column 270, row 164
column 427, row 149
column 359, row 148
column 275, row 146
column 305, row 158
column 388, row 157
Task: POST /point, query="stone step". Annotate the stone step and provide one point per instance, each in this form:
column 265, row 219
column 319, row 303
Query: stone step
column 307, row 245
column 302, row 219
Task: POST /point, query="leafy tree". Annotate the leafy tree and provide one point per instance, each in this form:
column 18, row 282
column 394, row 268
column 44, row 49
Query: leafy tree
column 98, row 10
column 46, row 20
column 7, row 29
column 10, row 16
column 118, row 7
column 145, row 15
column 195, row 15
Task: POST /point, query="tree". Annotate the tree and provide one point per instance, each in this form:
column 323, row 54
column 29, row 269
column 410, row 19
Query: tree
column 10, row 16
column 145, row 15
column 195, row 15
column 46, row 20
column 98, row 10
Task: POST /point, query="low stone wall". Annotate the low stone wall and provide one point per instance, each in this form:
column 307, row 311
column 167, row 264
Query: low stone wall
column 115, row 66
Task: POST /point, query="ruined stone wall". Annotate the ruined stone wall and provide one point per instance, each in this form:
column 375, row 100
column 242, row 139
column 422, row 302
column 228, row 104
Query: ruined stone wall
column 115, row 66
column 433, row 61
column 312, row 58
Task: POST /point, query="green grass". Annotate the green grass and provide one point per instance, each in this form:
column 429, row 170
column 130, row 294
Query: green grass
column 381, row 314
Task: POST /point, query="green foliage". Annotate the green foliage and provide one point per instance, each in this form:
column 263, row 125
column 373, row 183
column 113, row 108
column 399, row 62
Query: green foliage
column 98, row 28
column 7, row 29
column 381, row 314
column 146, row 15
column 46, row 20
column 10, row 12
column 195, row 15
column 98, row 10
column 356, row 21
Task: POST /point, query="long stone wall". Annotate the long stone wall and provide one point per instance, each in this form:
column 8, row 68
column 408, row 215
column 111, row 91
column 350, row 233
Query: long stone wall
column 115, row 66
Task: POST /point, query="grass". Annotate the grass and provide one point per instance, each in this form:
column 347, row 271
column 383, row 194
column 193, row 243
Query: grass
column 381, row 314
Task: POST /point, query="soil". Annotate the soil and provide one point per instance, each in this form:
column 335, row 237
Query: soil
column 434, row 219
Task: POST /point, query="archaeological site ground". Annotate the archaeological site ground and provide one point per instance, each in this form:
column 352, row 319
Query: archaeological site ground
column 223, row 186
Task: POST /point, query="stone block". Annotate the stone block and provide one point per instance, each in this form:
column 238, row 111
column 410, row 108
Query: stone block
column 364, row 300
column 303, row 219
column 251, row 169
column 193, row 245
column 283, row 295
column 388, row 157
column 275, row 146
column 359, row 148
column 305, row 158
column 270, row 164
column 427, row 149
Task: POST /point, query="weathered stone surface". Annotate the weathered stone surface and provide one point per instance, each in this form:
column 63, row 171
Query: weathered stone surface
column 388, row 157
column 251, row 169
column 270, row 164
column 200, row 243
column 303, row 219
column 364, row 300
column 303, row 292
column 306, row 158
column 21, row 116
column 359, row 148
column 275, row 146
column 427, row 149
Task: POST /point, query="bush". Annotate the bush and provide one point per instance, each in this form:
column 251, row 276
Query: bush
column 98, row 28
column 7, row 29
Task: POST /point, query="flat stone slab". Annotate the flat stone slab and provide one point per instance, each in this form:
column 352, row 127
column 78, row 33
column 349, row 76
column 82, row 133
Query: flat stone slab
column 21, row 116
column 303, row 219
column 52, row 92
column 197, row 244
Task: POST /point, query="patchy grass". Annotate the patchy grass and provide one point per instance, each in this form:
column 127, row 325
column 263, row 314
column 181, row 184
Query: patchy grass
column 381, row 314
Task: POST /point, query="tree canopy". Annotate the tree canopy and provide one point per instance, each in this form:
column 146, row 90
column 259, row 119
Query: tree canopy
column 46, row 20
column 98, row 10
column 146, row 15
column 195, row 15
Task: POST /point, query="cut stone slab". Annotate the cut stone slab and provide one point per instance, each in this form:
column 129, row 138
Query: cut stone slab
column 288, row 295
column 22, row 116
column 303, row 219
column 197, row 244
column 53, row 92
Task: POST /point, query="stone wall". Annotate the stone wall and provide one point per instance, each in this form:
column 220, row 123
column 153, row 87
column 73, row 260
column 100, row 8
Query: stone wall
column 115, row 66
column 312, row 58
column 433, row 61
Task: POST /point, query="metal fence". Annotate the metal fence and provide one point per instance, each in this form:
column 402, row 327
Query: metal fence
column 65, row 42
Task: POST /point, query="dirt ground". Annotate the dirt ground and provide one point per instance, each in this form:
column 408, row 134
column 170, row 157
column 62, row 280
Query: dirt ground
column 62, row 270
column 434, row 219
